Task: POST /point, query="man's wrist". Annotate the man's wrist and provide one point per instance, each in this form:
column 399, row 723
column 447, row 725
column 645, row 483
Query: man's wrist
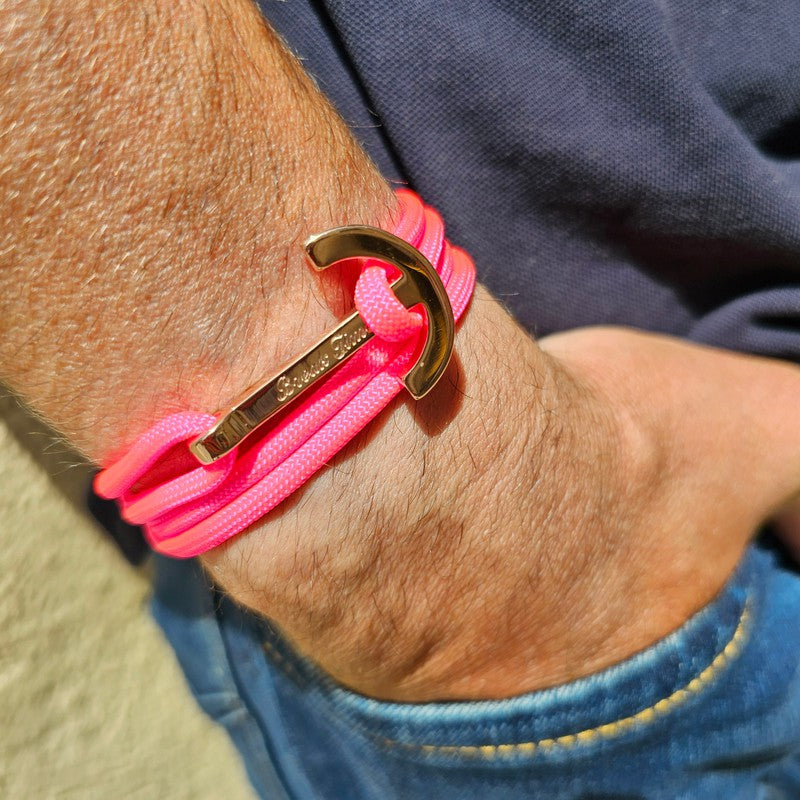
column 430, row 509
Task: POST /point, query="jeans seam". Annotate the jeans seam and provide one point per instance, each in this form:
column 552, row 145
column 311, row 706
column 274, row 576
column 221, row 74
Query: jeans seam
column 603, row 732
column 283, row 664
column 606, row 731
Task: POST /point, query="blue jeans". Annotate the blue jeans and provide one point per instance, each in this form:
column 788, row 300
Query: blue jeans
column 711, row 711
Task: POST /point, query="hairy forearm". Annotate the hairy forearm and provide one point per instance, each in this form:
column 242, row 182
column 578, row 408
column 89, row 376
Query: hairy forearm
column 162, row 163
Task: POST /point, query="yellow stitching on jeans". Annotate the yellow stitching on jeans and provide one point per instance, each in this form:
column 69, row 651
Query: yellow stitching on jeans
column 286, row 666
column 609, row 729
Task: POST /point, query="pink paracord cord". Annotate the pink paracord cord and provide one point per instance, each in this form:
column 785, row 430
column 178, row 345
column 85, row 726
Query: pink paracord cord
column 190, row 508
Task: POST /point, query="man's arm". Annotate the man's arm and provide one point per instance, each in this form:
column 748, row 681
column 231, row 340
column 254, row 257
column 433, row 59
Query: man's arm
column 546, row 512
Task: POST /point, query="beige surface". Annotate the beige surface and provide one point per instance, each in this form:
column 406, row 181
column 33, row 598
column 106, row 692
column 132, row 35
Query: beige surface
column 92, row 704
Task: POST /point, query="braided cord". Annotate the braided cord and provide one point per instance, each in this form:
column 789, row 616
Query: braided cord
column 191, row 508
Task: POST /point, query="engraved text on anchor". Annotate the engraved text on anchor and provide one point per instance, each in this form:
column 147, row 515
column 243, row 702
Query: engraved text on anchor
column 307, row 371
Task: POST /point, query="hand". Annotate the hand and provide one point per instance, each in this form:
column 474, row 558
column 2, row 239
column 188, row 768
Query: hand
column 583, row 500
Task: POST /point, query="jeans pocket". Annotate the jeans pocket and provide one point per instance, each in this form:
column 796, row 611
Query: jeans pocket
column 711, row 711
column 652, row 688
column 708, row 711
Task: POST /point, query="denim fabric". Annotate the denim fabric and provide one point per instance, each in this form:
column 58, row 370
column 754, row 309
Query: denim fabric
column 712, row 711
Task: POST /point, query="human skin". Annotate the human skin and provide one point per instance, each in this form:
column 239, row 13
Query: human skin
column 550, row 509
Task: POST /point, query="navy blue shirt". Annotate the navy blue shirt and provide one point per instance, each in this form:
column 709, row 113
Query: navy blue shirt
column 631, row 162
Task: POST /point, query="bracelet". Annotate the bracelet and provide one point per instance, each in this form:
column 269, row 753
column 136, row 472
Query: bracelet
column 193, row 480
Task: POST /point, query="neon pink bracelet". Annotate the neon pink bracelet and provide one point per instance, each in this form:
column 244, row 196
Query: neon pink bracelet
column 194, row 480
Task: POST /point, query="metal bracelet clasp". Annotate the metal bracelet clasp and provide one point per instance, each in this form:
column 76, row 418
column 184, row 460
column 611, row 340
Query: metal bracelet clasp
column 418, row 284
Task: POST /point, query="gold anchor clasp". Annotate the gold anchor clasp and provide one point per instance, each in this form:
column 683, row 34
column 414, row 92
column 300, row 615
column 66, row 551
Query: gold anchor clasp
column 418, row 284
